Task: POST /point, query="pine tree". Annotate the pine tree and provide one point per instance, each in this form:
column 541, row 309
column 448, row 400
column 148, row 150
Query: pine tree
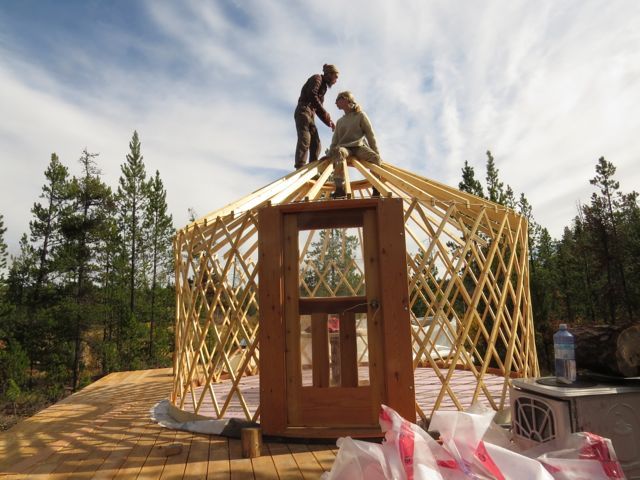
column 109, row 265
column 509, row 198
column 586, row 272
column 13, row 367
column 159, row 225
column 469, row 182
column 544, row 294
column 3, row 249
column 604, row 212
column 4, row 304
column 132, row 199
column 495, row 188
column 630, row 231
column 533, row 231
column 45, row 227
column 84, row 231
column 19, row 324
column 20, row 278
column 525, row 209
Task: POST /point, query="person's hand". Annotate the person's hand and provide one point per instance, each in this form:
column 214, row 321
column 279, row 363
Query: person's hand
column 332, row 126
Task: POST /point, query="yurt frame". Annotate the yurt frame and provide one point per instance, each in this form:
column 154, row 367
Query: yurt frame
column 468, row 270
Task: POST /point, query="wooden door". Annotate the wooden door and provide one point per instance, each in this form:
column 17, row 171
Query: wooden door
column 320, row 382
column 338, row 390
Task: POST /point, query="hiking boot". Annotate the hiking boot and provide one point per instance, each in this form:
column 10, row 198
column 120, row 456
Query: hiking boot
column 375, row 192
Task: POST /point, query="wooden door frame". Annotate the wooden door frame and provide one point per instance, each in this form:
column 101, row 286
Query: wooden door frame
column 388, row 250
column 348, row 405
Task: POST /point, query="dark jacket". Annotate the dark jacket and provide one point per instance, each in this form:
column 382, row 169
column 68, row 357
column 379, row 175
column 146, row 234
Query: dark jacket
column 312, row 97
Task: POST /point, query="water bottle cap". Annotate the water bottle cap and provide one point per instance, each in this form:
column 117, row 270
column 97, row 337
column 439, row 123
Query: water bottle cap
column 563, row 326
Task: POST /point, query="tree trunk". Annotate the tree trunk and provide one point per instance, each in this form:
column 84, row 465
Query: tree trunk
column 608, row 349
column 77, row 354
column 132, row 279
column 153, row 315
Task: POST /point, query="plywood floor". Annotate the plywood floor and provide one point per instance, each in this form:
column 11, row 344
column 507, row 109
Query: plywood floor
column 104, row 431
column 426, row 381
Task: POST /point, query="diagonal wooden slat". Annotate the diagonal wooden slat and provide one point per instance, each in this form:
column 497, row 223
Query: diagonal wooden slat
column 467, row 259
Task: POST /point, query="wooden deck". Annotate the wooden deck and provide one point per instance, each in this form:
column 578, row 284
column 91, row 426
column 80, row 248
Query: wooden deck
column 104, row 431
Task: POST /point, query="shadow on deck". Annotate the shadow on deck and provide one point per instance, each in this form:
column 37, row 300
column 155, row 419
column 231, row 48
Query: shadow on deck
column 104, row 431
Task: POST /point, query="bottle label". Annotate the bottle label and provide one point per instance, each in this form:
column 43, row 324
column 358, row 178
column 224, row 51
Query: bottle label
column 564, row 351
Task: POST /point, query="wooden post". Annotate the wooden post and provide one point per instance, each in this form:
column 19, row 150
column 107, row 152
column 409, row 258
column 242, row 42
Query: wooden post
column 348, row 350
column 251, row 442
column 271, row 335
column 320, row 349
column 334, row 340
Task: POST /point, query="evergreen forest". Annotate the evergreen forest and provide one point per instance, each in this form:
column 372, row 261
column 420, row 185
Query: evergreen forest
column 91, row 289
column 591, row 274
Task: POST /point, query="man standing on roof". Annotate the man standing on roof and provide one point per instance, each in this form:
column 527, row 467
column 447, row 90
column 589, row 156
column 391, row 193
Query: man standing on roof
column 309, row 105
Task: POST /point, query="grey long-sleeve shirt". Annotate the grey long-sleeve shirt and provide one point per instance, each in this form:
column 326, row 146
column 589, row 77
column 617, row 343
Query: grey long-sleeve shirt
column 354, row 129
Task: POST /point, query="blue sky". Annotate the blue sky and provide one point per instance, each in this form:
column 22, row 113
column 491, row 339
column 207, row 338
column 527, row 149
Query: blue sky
column 547, row 86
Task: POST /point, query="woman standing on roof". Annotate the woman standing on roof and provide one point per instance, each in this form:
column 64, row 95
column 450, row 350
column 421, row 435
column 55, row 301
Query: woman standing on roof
column 353, row 136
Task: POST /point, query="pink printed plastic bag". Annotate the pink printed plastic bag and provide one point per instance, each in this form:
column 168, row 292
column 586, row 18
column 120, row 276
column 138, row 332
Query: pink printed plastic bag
column 358, row 460
column 462, row 436
column 579, row 456
column 409, row 453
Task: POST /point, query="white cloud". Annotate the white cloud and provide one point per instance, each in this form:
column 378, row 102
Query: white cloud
column 547, row 87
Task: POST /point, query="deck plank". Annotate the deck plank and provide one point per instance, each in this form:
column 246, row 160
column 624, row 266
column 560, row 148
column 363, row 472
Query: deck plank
column 307, row 462
column 176, row 464
column 264, row 468
column 325, row 455
column 241, row 468
column 104, row 431
column 286, row 465
column 155, row 462
column 138, row 454
column 97, row 446
column 218, row 468
column 198, row 460
column 117, row 456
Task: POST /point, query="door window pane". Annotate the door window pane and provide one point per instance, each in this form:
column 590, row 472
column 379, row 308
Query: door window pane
column 330, row 350
column 331, row 263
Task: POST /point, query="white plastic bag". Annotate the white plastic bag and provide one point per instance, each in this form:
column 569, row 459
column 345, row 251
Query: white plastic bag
column 409, row 453
column 358, row 460
column 513, row 465
column 462, row 436
column 579, row 456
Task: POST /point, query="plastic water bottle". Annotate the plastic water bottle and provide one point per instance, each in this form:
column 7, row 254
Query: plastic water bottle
column 564, row 349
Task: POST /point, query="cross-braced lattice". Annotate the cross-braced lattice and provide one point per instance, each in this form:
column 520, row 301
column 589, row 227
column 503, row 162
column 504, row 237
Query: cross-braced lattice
column 468, row 270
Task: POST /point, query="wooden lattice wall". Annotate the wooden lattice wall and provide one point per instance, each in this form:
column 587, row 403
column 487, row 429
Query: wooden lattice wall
column 468, row 269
